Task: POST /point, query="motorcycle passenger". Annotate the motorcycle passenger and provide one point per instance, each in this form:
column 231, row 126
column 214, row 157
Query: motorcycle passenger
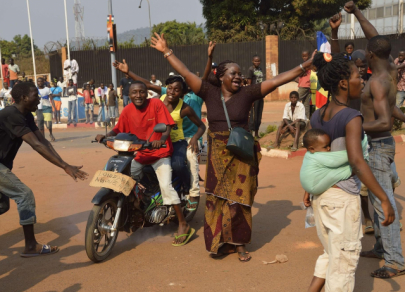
column 176, row 87
column 139, row 118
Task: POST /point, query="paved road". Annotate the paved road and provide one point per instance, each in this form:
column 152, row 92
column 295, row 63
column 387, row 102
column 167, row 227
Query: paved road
column 145, row 260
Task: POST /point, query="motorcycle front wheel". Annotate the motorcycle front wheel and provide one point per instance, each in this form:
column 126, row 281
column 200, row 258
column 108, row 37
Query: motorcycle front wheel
column 99, row 242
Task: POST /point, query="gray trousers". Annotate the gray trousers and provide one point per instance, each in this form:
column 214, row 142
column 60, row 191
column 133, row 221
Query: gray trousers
column 305, row 98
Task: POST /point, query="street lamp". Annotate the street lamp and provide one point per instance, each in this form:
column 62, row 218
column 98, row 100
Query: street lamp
column 150, row 26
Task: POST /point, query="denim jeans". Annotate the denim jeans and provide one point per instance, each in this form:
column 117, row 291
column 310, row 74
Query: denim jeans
column 72, row 111
column 400, row 98
column 179, row 164
column 388, row 238
column 14, row 189
column 101, row 113
column 126, row 100
column 12, row 83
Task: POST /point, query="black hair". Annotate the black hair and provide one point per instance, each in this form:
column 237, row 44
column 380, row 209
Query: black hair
column 359, row 54
column 294, row 93
column 255, row 56
column 330, row 73
column 177, row 78
column 311, row 136
column 138, row 82
column 305, row 51
column 70, row 80
column 42, row 78
column 380, row 46
column 348, row 44
column 21, row 89
column 221, row 69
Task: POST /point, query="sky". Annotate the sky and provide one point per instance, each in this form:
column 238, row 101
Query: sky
column 48, row 17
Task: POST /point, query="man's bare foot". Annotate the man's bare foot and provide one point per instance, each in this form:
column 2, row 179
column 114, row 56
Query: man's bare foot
column 243, row 254
column 183, row 229
column 370, row 254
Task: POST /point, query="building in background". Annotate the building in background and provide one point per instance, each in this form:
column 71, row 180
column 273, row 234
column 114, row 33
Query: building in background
column 386, row 16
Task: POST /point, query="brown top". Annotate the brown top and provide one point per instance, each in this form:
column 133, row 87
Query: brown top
column 111, row 98
column 238, row 106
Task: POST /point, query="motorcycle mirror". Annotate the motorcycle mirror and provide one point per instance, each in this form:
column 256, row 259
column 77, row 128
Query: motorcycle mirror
column 160, row 128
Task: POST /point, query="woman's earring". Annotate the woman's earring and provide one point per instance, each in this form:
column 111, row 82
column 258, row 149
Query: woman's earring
column 222, row 82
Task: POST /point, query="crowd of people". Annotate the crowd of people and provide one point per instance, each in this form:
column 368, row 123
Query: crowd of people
column 350, row 157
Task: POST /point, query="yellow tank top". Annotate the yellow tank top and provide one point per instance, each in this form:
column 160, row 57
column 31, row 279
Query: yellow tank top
column 176, row 133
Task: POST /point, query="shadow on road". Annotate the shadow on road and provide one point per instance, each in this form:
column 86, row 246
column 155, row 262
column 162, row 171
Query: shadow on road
column 271, row 218
column 20, row 274
column 72, row 138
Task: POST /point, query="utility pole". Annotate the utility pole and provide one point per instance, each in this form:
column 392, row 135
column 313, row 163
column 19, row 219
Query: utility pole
column 32, row 42
column 112, row 42
column 352, row 26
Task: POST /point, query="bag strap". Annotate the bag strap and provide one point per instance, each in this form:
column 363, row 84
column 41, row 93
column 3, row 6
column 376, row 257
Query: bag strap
column 226, row 112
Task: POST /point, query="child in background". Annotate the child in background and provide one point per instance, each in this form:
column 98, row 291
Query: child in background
column 89, row 103
column 304, row 86
column 56, row 92
column 112, row 95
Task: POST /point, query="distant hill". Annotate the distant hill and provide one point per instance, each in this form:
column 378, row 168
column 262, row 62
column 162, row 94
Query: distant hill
column 138, row 34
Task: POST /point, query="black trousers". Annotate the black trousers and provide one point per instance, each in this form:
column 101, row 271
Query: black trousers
column 256, row 114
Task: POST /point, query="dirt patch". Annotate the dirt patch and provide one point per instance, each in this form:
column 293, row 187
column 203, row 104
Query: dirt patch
column 287, row 140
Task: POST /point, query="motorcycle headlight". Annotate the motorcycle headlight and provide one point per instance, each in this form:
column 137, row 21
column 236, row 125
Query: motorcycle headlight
column 122, row 145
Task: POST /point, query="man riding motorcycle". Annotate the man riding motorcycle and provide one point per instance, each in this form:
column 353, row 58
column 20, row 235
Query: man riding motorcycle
column 139, row 118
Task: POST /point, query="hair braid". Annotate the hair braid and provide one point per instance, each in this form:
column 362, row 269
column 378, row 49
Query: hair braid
column 221, row 69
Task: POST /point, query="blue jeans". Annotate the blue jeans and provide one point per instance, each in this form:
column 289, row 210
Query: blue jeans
column 12, row 83
column 72, row 111
column 388, row 238
column 13, row 188
column 126, row 100
column 179, row 164
column 400, row 98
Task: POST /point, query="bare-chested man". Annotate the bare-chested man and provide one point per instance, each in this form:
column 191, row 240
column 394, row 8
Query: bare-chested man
column 377, row 106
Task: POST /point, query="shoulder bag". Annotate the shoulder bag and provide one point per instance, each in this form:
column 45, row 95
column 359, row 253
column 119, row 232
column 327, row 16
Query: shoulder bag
column 240, row 142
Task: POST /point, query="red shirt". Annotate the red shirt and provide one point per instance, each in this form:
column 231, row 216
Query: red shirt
column 87, row 96
column 304, row 81
column 4, row 68
column 141, row 123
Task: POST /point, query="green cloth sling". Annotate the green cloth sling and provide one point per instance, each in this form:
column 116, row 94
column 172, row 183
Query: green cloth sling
column 322, row 170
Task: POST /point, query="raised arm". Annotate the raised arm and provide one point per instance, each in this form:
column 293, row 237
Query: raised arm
column 211, row 48
column 187, row 111
column 160, row 44
column 334, row 23
column 283, row 78
column 362, row 170
column 368, row 29
column 381, row 108
column 123, row 67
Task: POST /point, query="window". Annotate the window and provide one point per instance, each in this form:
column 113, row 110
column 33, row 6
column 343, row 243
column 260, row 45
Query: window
column 388, row 11
column 372, row 13
column 395, row 9
column 380, row 12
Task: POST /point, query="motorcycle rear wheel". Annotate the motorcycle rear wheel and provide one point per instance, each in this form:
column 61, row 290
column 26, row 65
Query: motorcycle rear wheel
column 101, row 217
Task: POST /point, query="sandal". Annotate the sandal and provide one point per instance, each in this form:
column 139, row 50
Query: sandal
column 223, row 251
column 189, row 203
column 244, row 254
column 293, row 149
column 46, row 250
column 383, row 273
column 369, row 230
column 189, row 235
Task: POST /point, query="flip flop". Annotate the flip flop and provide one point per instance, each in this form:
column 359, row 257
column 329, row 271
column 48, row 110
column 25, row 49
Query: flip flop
column 384, row 273
column 46, row 250
column 293, row 149
column 369, row 230
column 189, row 235
column 244, row 254
column 192, row 203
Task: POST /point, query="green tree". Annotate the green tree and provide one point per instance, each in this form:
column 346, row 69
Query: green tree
column 20, row 45
column 181, row 33
column 238, row 20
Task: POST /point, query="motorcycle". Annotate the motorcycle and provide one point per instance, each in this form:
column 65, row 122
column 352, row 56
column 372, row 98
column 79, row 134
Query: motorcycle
column 143, row 207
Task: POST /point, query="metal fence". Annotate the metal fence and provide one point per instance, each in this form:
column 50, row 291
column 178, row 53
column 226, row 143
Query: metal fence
column 96, row 64
column 55, row 63
column 290, row 51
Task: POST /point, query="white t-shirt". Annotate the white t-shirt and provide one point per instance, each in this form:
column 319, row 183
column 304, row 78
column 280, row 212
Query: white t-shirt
column 5, row 94
column 299, row 112
column 151, row 93
column 44, row 95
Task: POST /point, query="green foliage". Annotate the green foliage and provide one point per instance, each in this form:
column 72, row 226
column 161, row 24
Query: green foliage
column 238, row 20
column 20, row 45
column 181, row 33
column 269, row 129
column 397, row 123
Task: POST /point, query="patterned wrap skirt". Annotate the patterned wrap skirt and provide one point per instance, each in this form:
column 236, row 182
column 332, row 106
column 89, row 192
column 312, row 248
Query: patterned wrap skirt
column 230, row 185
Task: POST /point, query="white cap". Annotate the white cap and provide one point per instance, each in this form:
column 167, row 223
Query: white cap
column 171, row 74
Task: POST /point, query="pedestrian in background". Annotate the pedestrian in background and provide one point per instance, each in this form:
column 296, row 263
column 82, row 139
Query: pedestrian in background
column 5, row 71
column 255, row 76
column 56, row 92
column 304, row 85
column 72, row 102
column 14, row 70
column 111, row 105
column 102, row 93
column 89, row 104
column 125, row 84
column 401, row 79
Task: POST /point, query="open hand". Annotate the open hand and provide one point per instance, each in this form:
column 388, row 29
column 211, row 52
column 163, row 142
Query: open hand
column 211, row 48
column 75, row 172
column 335, row 21
column 389, row 213
column 193, row 144
column 159, row 43
column 350, row 7
column 123, row 67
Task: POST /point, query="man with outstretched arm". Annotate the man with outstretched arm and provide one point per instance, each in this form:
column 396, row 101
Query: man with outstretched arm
column 17, row 125
column 139, row 118
column 377, row 106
